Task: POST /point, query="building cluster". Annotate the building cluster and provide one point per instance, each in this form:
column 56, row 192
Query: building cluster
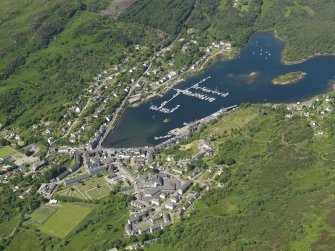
column 147, row 221
column 159, row 196
column 314, row 110
column 77, row 164
column 46, row 189
column 137, row 156
column 97, row 136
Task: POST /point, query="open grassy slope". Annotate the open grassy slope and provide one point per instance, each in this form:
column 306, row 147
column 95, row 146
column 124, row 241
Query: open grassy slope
column 278, row 195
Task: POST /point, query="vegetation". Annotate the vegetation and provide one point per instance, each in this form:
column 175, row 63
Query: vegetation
column 278, row 192
column 289, row 78
column 6, row 151
column 51, row 52
column 67, row 217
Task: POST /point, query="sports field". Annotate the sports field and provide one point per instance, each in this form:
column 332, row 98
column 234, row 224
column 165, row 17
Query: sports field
column 42, row 214
column 65, row 219
column 6, row 151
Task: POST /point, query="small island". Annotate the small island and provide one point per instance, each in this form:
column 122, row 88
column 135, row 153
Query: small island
column 289, row 78
column 166, row 120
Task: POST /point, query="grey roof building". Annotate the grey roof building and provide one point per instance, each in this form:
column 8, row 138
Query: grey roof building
column 184, row 187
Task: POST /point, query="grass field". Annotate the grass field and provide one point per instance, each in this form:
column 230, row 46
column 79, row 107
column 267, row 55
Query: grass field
column 6, row 151
column 67, row 217
column 42, row 214
column 24, row 240
column 8, row 227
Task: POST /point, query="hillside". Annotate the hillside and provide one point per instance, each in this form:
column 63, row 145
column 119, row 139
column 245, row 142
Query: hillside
column 52, row 51
column 278, row 186
column 258, row 178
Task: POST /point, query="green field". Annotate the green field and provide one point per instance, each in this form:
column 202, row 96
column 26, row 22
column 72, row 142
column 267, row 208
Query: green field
column 42, row 214
column 67, row 217
column 24, row 240
column 6, row 151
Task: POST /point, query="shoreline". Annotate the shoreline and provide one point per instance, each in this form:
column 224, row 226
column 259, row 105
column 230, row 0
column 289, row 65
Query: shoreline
column 216, row 58
column 299, row 61
column 278, row 82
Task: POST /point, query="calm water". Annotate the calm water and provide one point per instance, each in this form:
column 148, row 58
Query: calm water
column 138, row 126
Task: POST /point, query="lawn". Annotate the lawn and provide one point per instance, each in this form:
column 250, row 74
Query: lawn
column 99, row 192
column 6, row 151
column 94, row 188
column 42, row 214
column 67, row 217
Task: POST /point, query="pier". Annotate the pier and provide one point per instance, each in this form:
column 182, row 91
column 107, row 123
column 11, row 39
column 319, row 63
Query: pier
column 204, row 89
column 196, row 95
column 189, row 93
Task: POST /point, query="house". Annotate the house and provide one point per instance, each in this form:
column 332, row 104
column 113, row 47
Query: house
column 25, row 193
column 143, row 230
column 166, row 224
column 76, row 179
column 137, row 204
column 46, row 189
column 63, row 175
column 184, row 187
column 170, row 206
column 175, row 199
column 151, row 192
column 129, row 229
column 94, row 171
column 35, row 167
column 178, row 170
column 134, row 100
column 18, row 186
column 154, row 227
column 163, row 195
column 155, row 201
column 155, row 219
column 166, row 217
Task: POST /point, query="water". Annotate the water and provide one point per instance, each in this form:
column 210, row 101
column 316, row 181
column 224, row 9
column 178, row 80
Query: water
column 138, row 126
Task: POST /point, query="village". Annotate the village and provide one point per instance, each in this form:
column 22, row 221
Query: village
column 162, row 193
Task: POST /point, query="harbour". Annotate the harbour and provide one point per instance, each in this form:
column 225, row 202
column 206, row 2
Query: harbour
column 223, row 84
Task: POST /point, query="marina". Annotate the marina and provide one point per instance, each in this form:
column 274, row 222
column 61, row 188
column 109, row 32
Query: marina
column 189, row 93
column 228, row 83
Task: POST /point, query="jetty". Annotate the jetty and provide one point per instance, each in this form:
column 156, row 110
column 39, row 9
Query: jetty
column 207, row 90
column 195, row 95
column 189, row 93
